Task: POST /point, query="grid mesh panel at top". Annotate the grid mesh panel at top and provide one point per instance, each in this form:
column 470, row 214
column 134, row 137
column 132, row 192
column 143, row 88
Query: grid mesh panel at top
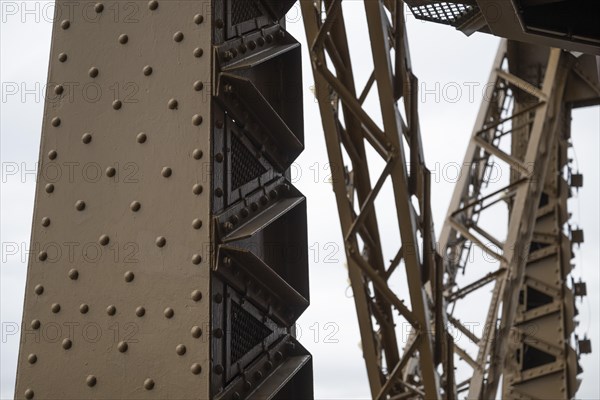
column 442, row 12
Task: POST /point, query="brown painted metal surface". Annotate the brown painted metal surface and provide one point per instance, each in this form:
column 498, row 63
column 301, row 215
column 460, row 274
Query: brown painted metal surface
column 170, row 247
column 170, row 257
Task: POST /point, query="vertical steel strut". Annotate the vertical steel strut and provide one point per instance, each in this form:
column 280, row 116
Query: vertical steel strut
column 351, row 133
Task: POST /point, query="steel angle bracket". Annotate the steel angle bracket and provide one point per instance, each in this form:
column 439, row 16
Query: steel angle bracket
column 256, row 259
column 245, row 103
column 249, row 275
column 282, row 369
column 251, row 93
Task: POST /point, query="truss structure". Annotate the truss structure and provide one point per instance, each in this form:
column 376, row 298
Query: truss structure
column 516, row 222
column 351, row 132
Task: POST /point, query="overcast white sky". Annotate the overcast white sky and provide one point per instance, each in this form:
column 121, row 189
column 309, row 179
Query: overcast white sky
column 442, row 58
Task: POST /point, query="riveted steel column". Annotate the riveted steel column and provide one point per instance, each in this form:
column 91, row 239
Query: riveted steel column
column 170, row 249
column 117, row 300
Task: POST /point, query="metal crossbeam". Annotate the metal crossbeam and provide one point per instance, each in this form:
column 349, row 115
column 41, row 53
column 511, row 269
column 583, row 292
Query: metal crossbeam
column 392, row 375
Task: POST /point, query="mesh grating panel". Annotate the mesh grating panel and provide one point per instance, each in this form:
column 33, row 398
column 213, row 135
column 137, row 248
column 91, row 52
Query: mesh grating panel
column 243, row 10
column 442, row 12
column 246, row 332
column 244, row 166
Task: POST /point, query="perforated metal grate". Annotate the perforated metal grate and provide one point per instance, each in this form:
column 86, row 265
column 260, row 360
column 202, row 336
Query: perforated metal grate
column 443, row 12
column 246, row 332
column 243, row 10
column 244, row 165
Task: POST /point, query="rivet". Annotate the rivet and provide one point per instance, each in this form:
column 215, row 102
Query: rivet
column 52, row 154
column 252, row 45
column 198, row 86
column 84, row 308
column 197, row 223
column 196, row 332
column 236, row 396
column 141, row 138
column 129, row 276
column 198, row 52
column 197, row 154
column 219, row 157
column 45, row 222
column 140, row 311
column 103, row 240
column 244, row 213
column 122, row 347
column 148, row 384
column 269, row 38
column 264, row 200
column 220, row 23
column 153, row 5
column 73, row 274
column 86, row 138
column 196, row 259
column 219, row 192
column 198, row 19
column 35, row 324
column 93, row 72
column 32, row 358
column 123, row 39
column 111, row 172
column 218, row 333
column 56, row 122
column 161, row 241
column 39, row 289
column 147, row 70
column 258, row 375
column 167, row 172
column 197, row 189
column 269, row 365
column 197, row 120
column 62, row 57
column 29, row 394
column 196, row 369
column 91, row 380
column 260, row 41
column 169, row 312
column 178, row 36
column 247, row 385
column 111, row 310
column 59, row 89
column 180, row 349
column 42, row 256
column 99, row 7
column 80, row 205
column 273, row 194
column 135, row 206
column 278, row 356
column 218, row 298
column 281, row 34
column 55, row 308
column 219, row 124
column 117, row 104
column 65, row 24
column 218, row 369
column 196, row 295
column 172, row 104
column 228, row 226
column 67, row 344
